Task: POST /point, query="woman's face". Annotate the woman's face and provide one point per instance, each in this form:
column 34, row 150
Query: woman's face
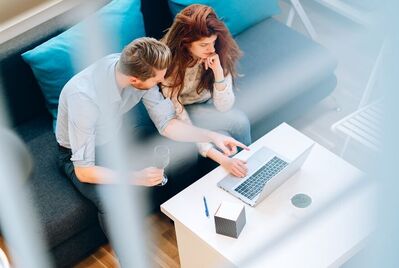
column 203, row 48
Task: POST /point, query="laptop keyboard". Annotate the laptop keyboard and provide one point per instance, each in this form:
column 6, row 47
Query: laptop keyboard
column 255, row 183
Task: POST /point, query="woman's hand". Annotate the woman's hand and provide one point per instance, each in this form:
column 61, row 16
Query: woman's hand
column 236, row 167
column 213, row 62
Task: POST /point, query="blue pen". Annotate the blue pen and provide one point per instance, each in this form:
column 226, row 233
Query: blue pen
column 206, row 208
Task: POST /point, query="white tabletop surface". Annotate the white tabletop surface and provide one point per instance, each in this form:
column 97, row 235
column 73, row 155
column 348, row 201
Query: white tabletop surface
column 276, row 233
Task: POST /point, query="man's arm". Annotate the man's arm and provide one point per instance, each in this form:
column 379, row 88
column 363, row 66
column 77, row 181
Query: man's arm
column 180, row 131
column 162, row 113
column 95, row 175
column 100, row 175
column 82, row 117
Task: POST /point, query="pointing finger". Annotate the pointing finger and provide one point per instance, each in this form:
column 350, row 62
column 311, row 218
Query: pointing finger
column 239, row 144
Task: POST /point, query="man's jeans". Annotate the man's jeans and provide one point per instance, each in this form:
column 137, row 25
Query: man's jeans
column 180, row 175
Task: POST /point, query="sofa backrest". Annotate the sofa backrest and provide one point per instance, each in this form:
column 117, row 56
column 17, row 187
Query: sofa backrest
column 23, row 97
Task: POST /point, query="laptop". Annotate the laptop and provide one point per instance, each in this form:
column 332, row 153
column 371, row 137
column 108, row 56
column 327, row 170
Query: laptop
column 267, row 170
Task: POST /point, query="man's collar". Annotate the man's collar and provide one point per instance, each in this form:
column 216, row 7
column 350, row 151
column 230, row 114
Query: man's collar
column 114, row 92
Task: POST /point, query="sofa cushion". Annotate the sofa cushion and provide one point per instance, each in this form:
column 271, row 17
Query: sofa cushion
column 237, row 14
column 279, row 64
column 57, row 60
column 63, row 211
column 34, row 128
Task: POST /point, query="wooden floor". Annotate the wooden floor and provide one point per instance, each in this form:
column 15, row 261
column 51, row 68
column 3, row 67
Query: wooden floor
column 162, row 250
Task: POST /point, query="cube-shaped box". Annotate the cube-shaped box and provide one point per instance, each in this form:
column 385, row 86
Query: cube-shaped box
column 230, row 219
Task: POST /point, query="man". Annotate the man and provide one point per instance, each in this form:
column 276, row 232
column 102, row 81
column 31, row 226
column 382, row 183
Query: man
column 101, row 94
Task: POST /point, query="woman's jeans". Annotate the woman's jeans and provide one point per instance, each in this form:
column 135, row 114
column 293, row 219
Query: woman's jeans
column 233, row 123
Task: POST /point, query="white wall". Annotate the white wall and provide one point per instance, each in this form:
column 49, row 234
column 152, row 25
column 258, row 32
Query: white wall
column 18, row 16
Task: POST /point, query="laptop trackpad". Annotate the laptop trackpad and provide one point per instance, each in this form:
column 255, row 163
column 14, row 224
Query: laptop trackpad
column 258, row 159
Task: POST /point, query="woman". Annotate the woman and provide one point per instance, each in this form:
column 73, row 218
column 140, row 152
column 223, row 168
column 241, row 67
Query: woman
column 200, row 79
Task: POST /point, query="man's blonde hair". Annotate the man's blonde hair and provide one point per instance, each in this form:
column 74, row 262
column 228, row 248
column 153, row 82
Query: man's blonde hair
column 143, row 56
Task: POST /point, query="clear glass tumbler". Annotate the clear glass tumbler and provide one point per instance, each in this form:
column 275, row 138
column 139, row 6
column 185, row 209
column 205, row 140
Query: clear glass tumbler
column 161, row 160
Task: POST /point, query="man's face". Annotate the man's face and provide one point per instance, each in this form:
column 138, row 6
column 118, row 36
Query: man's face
column 150, row 82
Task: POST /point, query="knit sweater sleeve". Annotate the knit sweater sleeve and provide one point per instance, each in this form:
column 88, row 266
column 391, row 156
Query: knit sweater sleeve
column 224, row 99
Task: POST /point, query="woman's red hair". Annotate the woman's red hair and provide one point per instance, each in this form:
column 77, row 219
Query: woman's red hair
column 191, row 24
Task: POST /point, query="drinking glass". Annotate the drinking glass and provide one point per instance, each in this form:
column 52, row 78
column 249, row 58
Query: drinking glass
column 161, row 160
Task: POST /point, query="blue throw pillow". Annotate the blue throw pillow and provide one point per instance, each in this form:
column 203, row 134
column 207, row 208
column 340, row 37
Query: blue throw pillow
column 237, row 14
column 55, row 62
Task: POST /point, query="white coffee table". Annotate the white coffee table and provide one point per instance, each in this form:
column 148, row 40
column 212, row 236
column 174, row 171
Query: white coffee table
column 277, row 234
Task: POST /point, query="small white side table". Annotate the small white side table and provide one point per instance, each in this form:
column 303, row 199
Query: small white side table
column 363, row 125
column 344, row 8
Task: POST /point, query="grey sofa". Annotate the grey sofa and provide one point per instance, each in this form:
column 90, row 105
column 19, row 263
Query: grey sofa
column 284, row 74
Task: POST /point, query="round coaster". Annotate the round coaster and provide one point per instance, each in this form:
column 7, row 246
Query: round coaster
column 301, row 200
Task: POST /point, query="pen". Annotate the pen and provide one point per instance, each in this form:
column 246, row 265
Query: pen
column 206, row 207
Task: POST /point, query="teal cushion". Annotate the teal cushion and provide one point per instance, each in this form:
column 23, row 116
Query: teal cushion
column 237, row 14
column 55, row 62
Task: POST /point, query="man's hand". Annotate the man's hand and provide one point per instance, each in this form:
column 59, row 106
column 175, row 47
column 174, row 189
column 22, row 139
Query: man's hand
column 227, row 144
column 150, row 176
column 180, row 131
column 236, row 167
